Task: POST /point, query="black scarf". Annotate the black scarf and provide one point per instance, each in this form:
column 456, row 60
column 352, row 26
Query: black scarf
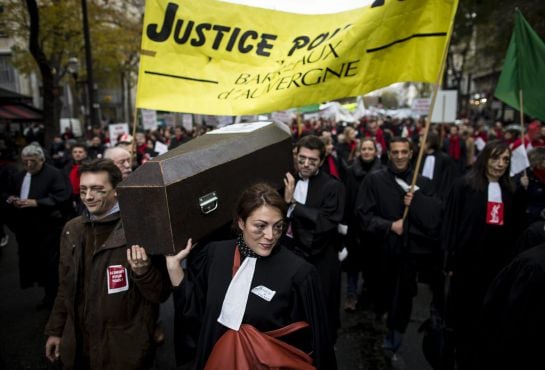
column 405, row 175
column 244, row 250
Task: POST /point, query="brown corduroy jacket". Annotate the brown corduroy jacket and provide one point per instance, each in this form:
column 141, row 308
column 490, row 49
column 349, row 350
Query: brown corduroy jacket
column 113, row 329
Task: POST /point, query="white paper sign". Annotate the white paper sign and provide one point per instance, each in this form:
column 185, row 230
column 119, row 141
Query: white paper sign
column 187, row 122
column 480, row 144
column 160, row 147
column 446, row 104
column 149, row 119
column 421, row 107
column 117, row 129
column 72, row 123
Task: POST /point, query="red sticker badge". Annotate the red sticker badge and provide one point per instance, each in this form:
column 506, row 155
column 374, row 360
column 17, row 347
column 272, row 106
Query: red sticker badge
column 117, row 279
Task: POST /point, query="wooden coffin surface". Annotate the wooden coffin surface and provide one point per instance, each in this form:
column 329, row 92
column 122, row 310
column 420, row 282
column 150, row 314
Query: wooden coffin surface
column 159, row 202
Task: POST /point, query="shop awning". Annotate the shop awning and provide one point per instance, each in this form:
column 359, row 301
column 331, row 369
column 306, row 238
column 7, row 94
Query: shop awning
column 20, row 112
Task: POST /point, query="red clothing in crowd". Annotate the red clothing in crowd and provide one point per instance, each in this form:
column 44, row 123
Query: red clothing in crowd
column 454, row 148
column 141, row 149
column 74, row 179
column 482, row 135
column 332, row 166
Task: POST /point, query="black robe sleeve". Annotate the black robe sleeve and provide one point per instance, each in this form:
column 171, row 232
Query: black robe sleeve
column 311, row 298
column 512, row 317
column 367, row 208
column 450, row 235
column 532, row 236
column 330, row 212
column 189, row 300
column 425, row 212
column 53, row 188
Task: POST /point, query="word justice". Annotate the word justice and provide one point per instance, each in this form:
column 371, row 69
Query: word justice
column 200, row 34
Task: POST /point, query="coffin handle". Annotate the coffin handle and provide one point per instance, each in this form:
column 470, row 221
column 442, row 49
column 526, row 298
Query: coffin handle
column 208, row 203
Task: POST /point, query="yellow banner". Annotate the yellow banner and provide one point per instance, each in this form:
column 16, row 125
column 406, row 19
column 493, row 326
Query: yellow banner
column 213, row 57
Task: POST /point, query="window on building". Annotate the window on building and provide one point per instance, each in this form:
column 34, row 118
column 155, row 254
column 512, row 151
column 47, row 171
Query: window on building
column 7, row 73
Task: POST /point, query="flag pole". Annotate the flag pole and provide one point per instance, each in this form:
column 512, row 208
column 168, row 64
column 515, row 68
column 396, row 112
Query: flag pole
column 436, row 87
column 521, row 110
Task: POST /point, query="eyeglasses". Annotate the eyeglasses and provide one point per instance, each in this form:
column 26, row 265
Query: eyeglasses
column 259, row 229
column 301, row 159
column 97, row 192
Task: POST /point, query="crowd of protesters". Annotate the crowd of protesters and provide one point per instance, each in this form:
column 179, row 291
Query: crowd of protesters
column 351, row 201
column 467, row 221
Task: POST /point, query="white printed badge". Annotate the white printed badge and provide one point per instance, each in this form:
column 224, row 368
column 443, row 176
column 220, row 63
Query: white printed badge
column 118, row 280
column 264, row 292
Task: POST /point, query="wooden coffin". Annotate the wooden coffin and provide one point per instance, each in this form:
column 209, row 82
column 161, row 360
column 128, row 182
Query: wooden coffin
column 191, row 191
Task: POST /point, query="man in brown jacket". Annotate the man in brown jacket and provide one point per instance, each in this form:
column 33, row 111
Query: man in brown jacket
column 107, row 303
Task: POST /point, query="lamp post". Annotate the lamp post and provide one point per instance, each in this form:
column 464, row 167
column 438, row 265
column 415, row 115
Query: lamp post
column 72, row 67
column 93, row 118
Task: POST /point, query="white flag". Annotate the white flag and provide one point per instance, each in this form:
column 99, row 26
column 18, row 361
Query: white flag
column 519, row 160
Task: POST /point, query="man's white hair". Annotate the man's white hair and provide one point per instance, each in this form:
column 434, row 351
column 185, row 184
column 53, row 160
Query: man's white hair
column 110, row 152
column 33, row 150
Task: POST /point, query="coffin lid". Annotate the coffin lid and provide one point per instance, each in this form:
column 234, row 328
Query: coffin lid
column 206, row 151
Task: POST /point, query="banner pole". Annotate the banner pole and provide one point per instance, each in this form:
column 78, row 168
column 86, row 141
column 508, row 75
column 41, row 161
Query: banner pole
column 134, row 120
column 430, row 109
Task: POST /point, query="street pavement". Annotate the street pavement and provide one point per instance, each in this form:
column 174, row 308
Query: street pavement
column 22, row 340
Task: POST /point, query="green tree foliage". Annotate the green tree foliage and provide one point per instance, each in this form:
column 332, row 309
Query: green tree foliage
column 482, row 31
column 115, row 28
column 389, row 99
column 496, row 23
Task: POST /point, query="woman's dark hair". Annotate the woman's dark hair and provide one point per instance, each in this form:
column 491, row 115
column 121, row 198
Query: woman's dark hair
column 255, row 196
column 433, row 141
column 477, row 177
column 103, row 165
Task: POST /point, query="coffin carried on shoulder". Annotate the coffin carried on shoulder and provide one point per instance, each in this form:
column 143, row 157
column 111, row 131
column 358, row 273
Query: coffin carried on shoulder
column 192, row 190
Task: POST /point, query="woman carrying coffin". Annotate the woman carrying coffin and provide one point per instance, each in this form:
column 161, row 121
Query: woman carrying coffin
column 235, row 292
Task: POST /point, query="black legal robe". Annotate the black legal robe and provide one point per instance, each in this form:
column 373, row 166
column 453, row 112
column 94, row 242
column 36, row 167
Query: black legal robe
column 38, row 229
column 512, row 318
column 315, row 237
column 473, row 246
column 198, row 300
column 444, row 174
column 357, row 257
column 378, row 205
column 532, row 236
column 476, row 252
column 314, row 223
